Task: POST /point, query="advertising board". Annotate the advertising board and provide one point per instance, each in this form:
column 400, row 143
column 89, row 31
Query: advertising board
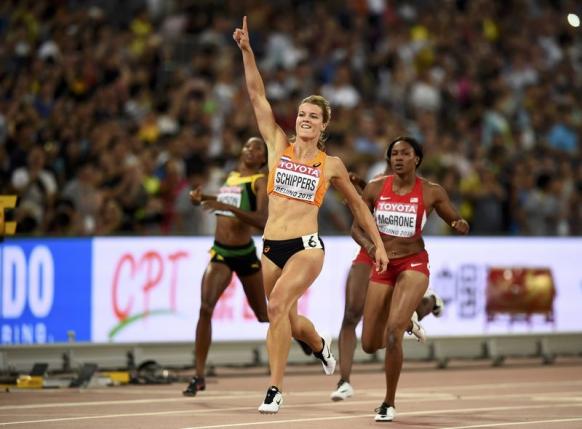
column 45, row 294
column 148, row 289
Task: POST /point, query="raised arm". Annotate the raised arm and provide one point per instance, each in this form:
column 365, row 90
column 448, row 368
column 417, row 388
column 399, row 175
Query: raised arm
column 273, row 135
column 341, row 181
column 445, row 209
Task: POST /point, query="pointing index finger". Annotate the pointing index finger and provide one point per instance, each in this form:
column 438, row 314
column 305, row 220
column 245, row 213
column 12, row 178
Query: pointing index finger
column 245, row 28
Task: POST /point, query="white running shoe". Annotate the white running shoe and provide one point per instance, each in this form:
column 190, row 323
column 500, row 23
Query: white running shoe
column 344, row 391
column 439, row 305
column 326, row 356
column 417, row 329
column 273, row 401
column 385, row 413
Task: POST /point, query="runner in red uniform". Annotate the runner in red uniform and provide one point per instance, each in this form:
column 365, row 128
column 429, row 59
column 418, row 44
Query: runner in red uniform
column 401, row 204
column 356, row 287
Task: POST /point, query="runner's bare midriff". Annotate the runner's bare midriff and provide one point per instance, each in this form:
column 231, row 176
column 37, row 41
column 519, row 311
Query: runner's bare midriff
column 290, row 219
column 231, row 231
column 398, row 247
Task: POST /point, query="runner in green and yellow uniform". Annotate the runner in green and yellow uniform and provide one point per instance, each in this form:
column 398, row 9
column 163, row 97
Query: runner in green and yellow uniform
column 240, row 206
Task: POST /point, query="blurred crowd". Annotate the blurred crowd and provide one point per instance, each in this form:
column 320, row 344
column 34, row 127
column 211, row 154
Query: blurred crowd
column 110, row 111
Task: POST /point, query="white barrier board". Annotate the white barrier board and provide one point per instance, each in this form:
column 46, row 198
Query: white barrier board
column 148, row 289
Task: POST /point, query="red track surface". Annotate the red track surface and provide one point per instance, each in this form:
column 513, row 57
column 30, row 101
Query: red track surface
column 521, row 394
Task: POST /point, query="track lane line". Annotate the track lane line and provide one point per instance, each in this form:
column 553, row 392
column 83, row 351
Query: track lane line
column 412, row 413
column 194, row 412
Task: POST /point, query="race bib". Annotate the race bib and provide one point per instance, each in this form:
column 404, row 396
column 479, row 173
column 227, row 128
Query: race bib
column 312, row 242
column 396, row 219
column 294, row 180
column 230, row 195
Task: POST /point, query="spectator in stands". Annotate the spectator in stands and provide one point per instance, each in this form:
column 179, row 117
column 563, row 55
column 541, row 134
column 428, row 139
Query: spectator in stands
column 36, row 188
column 83, row 191
column 76, row 80
column 542, row 207
column 487, row 200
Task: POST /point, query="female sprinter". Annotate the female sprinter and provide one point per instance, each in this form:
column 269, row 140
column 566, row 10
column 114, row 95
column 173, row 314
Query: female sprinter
column 401, row 203
column 355, row 296
column 299, row 174
column 240, row 205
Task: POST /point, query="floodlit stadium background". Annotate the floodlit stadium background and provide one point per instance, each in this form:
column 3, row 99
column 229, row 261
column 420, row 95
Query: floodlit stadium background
column 110, row 112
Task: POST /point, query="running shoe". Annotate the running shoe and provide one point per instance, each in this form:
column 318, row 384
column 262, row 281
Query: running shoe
column 196, row 385
column 417, row 329
column 344, row 391
column 385, row 413
column 273, row 401
column 326, row 357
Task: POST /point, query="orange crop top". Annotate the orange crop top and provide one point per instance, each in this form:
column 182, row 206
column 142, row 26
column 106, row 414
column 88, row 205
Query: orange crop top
column 296, row 181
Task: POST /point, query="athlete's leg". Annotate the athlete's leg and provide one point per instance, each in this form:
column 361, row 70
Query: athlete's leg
column 430, row 303
column 434, row 303
column 302, row 329
column 376, row 312
column 215, row 280
column 298, row 274
column 255, row 293
column 425, row 307
column 408, row 291
column 271, row 273
column 355, row 296
column 356, row 287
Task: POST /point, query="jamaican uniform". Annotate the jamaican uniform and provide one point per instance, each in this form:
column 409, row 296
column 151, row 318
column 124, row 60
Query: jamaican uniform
column 238, row 191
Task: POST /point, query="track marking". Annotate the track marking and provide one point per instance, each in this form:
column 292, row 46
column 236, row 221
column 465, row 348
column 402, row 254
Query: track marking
column 405, row 397
column 413, row 413
column 106, row 416
column 194, row 412
column 498, row 386
column 92, row 404
column 532, row 422
column 556, row 398
column 409, row 394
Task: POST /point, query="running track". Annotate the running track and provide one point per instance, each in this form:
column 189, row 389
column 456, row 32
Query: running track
column 469, row 395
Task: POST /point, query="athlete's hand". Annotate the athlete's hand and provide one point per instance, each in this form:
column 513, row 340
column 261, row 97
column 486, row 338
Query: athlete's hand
column 196, row 196
column 461, row 226
column 241, row 36
column 381, row 259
